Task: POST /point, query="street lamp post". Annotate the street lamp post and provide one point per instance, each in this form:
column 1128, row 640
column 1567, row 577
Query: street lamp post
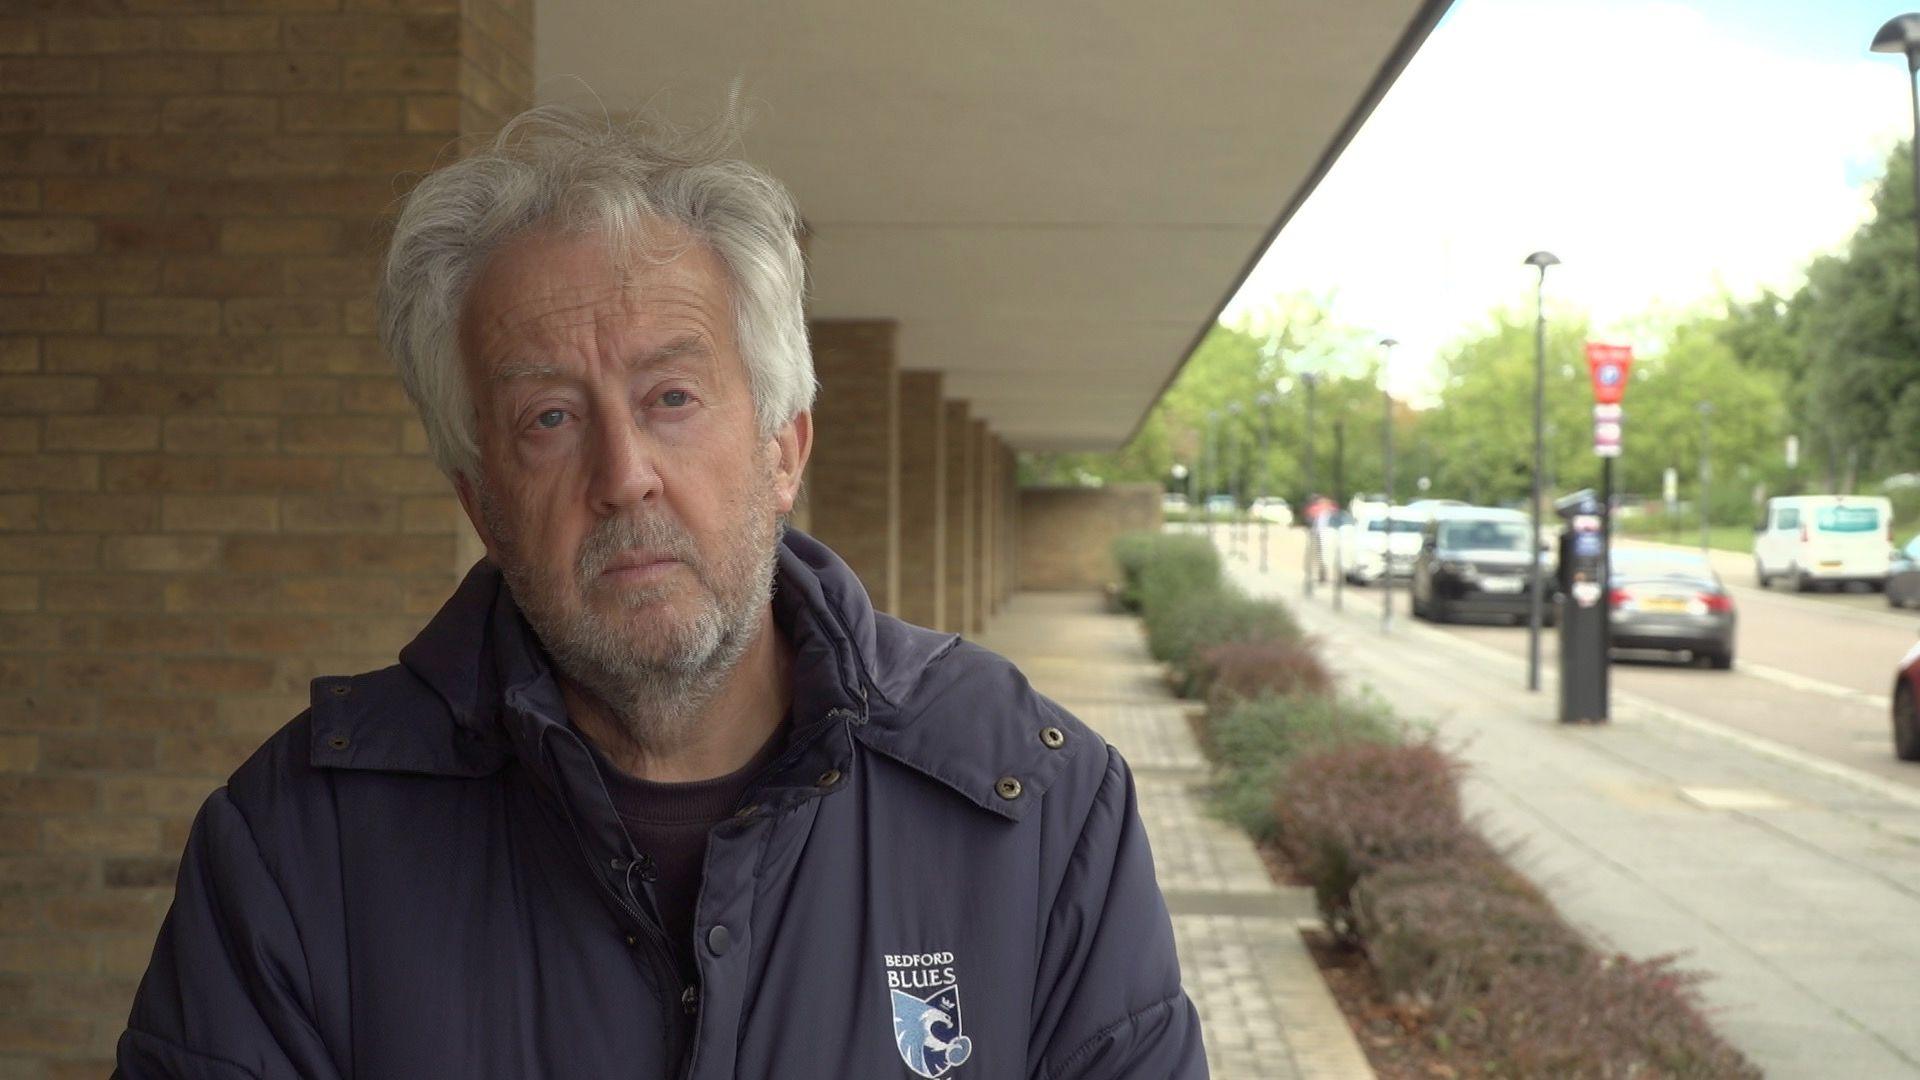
column 1901, row 34
column 1180, row 476
column 1212, row 459
column 1313, row 533
column 1706, row 473
column 1540, row 260
column 1386, row 457
column 1234, row 529
column 1264, row 490
column 1339, row 482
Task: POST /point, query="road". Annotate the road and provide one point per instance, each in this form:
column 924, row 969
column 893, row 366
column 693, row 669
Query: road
column 1813, row 671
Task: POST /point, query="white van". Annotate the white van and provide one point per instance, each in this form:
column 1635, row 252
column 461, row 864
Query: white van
column 1811, row 539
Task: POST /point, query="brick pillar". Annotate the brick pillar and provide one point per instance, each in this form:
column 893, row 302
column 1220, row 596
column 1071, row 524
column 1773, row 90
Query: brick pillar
column 854, row 477
column 1003, row 531
column 981, row 603
column 923, row 499
column 211, row 486
column 962, row 477
column 1010, row 531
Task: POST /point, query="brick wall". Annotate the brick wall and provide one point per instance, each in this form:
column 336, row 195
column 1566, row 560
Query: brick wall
column 211, row 486
column 961, row 478
column 1066, row 534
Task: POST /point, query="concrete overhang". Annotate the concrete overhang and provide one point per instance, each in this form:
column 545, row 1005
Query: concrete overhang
column 1054, row 200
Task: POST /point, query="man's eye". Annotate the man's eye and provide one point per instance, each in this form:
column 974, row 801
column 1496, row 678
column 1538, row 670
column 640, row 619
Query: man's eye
column 550, row 419
column 675, row 399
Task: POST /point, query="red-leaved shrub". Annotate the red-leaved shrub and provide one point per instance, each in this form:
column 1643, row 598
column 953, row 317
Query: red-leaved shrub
column 1236, row 671
column 1611, row 1018
column 1357, row 807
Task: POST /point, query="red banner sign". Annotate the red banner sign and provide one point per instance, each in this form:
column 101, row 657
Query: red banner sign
column 1609, row 365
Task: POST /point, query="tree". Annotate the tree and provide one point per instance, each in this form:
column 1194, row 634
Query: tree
column 1856, row 322
column 1194, row 423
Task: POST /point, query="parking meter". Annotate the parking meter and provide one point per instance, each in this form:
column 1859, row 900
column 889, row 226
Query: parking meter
column 1583, row 608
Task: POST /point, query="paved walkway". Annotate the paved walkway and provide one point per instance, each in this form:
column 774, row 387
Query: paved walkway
column 1266, row 1012
column 1795, row 889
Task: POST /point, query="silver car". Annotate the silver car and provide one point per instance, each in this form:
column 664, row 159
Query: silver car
column 1670, row 601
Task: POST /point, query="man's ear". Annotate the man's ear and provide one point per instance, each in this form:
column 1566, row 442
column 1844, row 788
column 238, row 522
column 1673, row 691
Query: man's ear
column 470, row 502
column 793, row 443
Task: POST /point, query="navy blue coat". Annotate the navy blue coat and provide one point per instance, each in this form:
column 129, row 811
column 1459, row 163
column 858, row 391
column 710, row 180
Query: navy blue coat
column 423, row 876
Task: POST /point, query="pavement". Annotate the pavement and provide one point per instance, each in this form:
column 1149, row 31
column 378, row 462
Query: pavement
column 1789, row 879
column 1266, row 1012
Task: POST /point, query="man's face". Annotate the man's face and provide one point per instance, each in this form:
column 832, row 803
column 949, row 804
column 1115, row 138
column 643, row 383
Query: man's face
column 625, row 491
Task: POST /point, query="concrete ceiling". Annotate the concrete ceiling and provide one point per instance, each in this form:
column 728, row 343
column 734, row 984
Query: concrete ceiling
column 1053, row 199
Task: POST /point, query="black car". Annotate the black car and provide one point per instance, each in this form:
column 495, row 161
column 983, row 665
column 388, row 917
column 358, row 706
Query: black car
column 1476, row 561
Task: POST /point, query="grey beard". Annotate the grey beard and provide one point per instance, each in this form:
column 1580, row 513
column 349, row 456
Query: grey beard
column 654, row 696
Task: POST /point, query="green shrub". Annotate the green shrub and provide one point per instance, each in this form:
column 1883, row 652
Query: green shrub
column 1255, row 740
column 1169, row 564
column 1906, row 510
column 1183, row 621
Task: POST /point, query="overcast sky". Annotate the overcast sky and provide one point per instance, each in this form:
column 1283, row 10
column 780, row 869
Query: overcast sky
column 1666, row 150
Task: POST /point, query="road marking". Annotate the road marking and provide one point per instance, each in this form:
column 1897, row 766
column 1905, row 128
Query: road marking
column 1715, row 798
column 1794, row 681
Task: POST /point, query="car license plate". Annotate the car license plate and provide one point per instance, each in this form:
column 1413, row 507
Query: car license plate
column 1501, row 584
column 1663, row 604
column 1830, row 564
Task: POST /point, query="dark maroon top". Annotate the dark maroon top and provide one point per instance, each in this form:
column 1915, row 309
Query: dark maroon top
column 669, row 824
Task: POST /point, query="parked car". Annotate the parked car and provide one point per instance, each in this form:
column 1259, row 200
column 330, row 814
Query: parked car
column 1475, row 561
column 1221, row 505
column 1906, row 692
column 1173, row 503
column 1426, row 507
column 1274, row 509
column 1363, row 546
column 1824, row 540
column 1367, row 504
column 1903, row 576
column 1671, row 601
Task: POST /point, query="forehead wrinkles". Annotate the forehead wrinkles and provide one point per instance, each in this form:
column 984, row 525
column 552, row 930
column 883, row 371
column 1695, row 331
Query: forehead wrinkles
column 530, row 304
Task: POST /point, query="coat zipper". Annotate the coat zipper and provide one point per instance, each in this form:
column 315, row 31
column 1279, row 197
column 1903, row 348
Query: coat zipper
column 659, row 952
column 679, row 1040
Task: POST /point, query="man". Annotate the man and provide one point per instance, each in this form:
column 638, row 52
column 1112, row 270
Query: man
column 657, row 793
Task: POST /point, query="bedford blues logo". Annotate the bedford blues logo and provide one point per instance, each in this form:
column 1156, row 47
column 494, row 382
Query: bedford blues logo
column 926, row 1012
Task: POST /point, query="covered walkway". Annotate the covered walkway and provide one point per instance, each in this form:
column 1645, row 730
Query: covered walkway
column 1266, row 1011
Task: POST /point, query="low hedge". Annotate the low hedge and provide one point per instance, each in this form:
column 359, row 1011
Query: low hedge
column 1458, row 934
column 1370, row 813
column 1255, row 740
column 1170, row 563
column 1237, row 671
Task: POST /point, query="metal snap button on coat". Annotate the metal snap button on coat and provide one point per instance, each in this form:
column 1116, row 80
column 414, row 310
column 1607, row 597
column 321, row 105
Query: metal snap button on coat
column 338, row 742
column 1008, row 787
column 829, row 778
column 1053, row 738
column 719, row 941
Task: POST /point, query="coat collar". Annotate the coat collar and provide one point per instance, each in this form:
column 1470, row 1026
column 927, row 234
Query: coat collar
column 474, row 689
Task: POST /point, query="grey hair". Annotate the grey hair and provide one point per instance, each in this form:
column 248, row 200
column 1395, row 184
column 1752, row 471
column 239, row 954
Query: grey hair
column 564, row 167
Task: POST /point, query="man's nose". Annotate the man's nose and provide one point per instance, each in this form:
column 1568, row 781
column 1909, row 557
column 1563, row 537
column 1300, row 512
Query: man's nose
column 626, row 469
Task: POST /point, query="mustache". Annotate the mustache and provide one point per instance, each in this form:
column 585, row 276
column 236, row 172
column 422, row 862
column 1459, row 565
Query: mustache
column 617, row 536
